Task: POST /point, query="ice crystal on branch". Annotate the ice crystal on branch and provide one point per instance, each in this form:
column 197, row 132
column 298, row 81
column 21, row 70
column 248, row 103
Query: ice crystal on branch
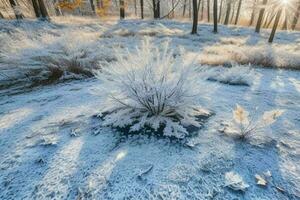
column 151, row 88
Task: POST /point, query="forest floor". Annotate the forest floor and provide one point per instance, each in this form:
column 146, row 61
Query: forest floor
column 53, row 147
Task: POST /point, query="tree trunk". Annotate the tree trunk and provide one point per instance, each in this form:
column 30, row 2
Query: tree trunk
column 190, row 9
column 93, row 6
column 15, row 6
column 227, row 13
column 36, row 8
column 266, row 19
column 43, row 9
column 232, row 14
column 270, row 20
column 135, row 8
column 184, row 7
column 122, row 9
column 260, row 17
column 220, row 11
column 173, row 8
column 156, row 9
column 202, row 11
column 142, row 8
column 208, row 10
column 275, row 26
column 296, row 17
column 238, row 12
column 215, row 16
column 253, row 14
column 195, row 17
column 285, row 23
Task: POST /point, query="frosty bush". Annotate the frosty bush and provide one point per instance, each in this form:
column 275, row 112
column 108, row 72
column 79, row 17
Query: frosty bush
column 151, row 88
column 243, row 124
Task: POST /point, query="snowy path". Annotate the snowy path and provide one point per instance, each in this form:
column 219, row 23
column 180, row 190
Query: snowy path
column 48, row 149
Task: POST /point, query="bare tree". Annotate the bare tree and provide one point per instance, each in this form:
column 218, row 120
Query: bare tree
column 156, row 9
column 122, row 9
column 227, row 12
column 278, row 15
column 202, row 10
column 43, row 10
column 215, row 16
column 142, row 8
column 92, row 6
column 14, row 4
column 238, row 12
column 184, row 8
column 208, row 10
column 296, row 17
column 220, row 11
column 253, row 13
column 135, row 7
column 260, row 17
column 195, row 17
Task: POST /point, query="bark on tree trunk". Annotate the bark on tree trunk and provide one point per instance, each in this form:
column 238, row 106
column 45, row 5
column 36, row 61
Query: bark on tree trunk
column 208, row 10
column 232, row 14
column 184, row 7
column 215, row 16
column 202, row 11
column 156, row 9
column 93, row 6
column 142, row 9
column 190, row 9
column 275, row 26
column 36, row 8
column 43, row 9
column 253, row 14
column 173, row 8
column 135, row 8
column 238, row 12
column 260, row 17
column 220, row 11
column 296, row 17
column 195, row 17
column 285, row 23
column 227, row 13
column 15, row 6
column 122, row 9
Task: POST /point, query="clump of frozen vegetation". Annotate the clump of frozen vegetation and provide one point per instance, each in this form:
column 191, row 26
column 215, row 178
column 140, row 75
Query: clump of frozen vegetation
column 150, row 88
column 236, row 75
column 235, row 182
column 244, row 126
column 266, row 56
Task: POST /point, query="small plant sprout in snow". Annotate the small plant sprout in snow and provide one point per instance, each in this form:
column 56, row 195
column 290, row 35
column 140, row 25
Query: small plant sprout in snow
column 150, row 88
column 243, row 126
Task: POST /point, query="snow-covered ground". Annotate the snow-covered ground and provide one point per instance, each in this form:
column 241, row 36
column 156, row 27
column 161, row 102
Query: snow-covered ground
column 53, row 147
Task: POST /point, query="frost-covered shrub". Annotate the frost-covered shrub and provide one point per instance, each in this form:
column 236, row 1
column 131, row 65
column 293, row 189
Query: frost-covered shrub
column 266, row 56
column 236, row 75
column 243, row 124
column 151, row 88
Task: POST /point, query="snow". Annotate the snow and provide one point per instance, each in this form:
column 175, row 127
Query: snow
column 41, row 158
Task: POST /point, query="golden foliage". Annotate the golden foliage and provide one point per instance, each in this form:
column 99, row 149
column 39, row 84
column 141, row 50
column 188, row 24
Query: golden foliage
column 67, row 5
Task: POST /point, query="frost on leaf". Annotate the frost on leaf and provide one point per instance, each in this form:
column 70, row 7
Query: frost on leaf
column 235, row 181
column 243, row 124
column 150, row 88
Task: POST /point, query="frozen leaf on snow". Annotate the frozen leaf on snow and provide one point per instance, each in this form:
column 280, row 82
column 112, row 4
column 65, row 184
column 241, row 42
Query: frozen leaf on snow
column 270, row 117
column 260, row 180
column 240, row 115
column 235, row 181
